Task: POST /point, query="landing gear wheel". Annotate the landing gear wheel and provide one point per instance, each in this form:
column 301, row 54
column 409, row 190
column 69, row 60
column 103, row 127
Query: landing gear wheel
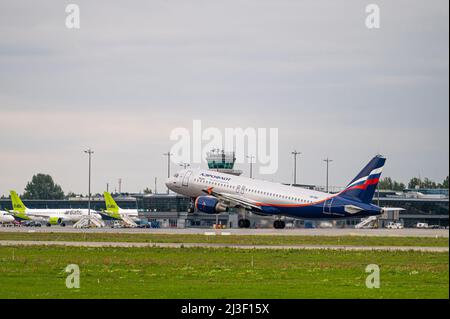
column 191, row 208
column 279, row 224
column 244, row 223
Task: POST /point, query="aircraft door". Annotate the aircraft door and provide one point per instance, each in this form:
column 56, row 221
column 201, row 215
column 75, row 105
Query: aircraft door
column 186, row 178
column 327, row 205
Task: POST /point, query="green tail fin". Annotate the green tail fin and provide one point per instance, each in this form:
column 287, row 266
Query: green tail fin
column 111, row 205
column 17, row 203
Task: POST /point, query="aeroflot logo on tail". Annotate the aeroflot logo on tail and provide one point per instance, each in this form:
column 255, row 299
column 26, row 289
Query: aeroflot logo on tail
column 258, row 145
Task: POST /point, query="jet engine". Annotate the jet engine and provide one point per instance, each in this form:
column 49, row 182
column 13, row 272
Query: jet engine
column 56, row 221
column 210, row 205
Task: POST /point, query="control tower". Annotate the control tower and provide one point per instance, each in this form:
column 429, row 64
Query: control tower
column 221, row 161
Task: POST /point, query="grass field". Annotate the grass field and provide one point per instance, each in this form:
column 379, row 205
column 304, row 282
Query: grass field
column 38, row 272
column 232, row 239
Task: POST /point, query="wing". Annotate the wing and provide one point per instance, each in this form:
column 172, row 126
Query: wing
column 20, row 216
column 38, row 215
column 232, row 200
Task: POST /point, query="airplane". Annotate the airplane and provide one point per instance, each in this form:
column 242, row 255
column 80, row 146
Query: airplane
column 6, row 217
column 113, row 211
column 216, row 192
column 50, row 216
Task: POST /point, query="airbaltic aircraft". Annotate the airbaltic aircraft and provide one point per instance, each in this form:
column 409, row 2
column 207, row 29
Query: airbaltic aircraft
column 216, row 192
column 113, row 211
column 5, row 217
column 49, row 216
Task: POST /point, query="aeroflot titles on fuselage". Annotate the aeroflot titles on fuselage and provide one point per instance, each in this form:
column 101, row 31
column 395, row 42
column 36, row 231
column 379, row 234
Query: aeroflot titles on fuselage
column 216, row 177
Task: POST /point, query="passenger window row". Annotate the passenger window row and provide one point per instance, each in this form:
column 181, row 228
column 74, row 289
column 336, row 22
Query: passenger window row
column 255, row 191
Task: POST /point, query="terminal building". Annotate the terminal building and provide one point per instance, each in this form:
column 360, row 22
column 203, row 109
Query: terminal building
column 429, row 206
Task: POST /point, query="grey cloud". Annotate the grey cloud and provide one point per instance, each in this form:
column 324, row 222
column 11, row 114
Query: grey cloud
column 132, row 73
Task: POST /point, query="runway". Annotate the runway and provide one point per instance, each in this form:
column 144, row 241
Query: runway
column 209, row 245
column 408, row 232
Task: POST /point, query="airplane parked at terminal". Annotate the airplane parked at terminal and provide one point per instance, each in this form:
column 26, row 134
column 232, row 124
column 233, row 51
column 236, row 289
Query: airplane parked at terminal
column 113, row 211
column 216, row 192
column 49, row 216
column 6, row 217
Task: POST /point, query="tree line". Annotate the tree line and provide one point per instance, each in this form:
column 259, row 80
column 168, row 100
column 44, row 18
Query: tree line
column 388, row 183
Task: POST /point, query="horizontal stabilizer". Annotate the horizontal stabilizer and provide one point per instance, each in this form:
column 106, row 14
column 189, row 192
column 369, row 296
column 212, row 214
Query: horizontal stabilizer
column 352, row 209
column 391, row 209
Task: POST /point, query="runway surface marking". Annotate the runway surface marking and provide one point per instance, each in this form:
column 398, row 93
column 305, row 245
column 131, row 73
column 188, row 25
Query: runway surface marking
column 209, row 245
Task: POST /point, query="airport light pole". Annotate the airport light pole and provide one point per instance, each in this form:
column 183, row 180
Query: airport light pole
column 295, row 153
column 185, row 165
column 328, row 161
column 89, row 152
column 251, row 157
column 168, row 154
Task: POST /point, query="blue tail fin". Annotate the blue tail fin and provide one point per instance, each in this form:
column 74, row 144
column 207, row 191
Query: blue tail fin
column 362, row 187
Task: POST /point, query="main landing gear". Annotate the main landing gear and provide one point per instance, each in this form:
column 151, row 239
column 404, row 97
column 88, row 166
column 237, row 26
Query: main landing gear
column 279, row 224
column 244, row 223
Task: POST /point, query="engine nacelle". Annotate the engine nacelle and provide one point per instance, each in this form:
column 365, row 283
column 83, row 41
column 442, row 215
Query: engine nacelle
column 210, row 205
column 56, row 221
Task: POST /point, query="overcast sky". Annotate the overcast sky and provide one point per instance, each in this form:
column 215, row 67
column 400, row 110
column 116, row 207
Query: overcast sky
column 136, row 70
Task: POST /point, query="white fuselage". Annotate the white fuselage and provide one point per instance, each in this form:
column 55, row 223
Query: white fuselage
column 192, row 183
column 5, row 217
column 131, row 213
column 66, row 215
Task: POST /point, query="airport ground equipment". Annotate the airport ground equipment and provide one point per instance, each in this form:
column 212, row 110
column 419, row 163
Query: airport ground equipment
column 128, row 221
column 367, row 222
column 89, row 221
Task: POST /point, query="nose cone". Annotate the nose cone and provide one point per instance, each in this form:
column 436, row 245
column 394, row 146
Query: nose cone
column 169, row 182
